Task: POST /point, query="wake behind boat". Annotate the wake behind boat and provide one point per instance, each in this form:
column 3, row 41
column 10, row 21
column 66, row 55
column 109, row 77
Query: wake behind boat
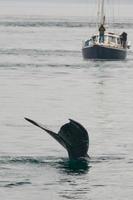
column 105, row 45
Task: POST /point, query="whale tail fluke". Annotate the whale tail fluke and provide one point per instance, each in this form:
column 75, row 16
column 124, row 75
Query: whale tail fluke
column 72, row 136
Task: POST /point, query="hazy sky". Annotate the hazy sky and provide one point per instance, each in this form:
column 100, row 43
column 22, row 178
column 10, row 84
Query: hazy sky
column 63, row 7
column 118, row 2
column 73, row 1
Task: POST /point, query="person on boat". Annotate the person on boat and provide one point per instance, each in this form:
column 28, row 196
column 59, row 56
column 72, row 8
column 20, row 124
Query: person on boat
column 123, row 38
column 101, row 33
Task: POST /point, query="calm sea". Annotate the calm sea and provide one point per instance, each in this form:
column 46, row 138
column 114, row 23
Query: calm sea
column 44, row 77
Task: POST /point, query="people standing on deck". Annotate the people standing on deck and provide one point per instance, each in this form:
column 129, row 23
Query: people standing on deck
column 101, row 33
column 123, row 38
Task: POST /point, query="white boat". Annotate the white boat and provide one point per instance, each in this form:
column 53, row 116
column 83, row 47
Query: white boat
column 113, row 47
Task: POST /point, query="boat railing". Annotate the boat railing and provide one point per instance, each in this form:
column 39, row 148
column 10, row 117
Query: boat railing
column 129, row 44
column 110, row 40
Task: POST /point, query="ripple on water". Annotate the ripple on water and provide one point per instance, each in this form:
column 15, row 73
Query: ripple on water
column 62, row 164
column 15, row 184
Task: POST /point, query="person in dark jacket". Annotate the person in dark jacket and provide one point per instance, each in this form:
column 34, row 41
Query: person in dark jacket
column 101, row 33
column 123, row 38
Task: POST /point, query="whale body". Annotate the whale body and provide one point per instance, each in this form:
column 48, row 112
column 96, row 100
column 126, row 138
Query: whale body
column 72, row 136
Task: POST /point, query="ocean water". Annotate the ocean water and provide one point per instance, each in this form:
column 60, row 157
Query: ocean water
column 44, row 77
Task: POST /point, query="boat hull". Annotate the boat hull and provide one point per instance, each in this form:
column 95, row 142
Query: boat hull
column 102, row 52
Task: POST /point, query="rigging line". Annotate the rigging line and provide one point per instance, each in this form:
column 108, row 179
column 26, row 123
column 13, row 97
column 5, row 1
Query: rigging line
column 90, row 16
column 111, row 17
column 96, row 15
column 98, row 12
column 93, row 17
column 97, row 8
column 109, row 13
column 113, row 9
column 118, row 11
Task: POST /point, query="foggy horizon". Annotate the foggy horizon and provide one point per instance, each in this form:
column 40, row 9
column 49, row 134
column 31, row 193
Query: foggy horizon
column 71, row 1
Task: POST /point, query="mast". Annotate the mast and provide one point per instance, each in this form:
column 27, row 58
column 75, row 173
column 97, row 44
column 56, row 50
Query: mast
column 102, row 20
column 101, row 12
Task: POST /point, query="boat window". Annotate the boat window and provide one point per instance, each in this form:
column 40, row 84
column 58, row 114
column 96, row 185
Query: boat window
column 90, row 42
column 112, row 39
column 106, row 38
column 94, row 38
column 87, row 43
column 118, row 41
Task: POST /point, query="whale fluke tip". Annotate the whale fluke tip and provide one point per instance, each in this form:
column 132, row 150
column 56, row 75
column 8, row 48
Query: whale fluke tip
column 31, row 121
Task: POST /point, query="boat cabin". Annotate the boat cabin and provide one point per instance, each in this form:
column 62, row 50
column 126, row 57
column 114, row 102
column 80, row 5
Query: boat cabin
column 110, row 40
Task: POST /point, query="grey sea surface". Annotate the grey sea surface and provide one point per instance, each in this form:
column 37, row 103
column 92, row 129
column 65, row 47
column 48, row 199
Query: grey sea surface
column 44, row 77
